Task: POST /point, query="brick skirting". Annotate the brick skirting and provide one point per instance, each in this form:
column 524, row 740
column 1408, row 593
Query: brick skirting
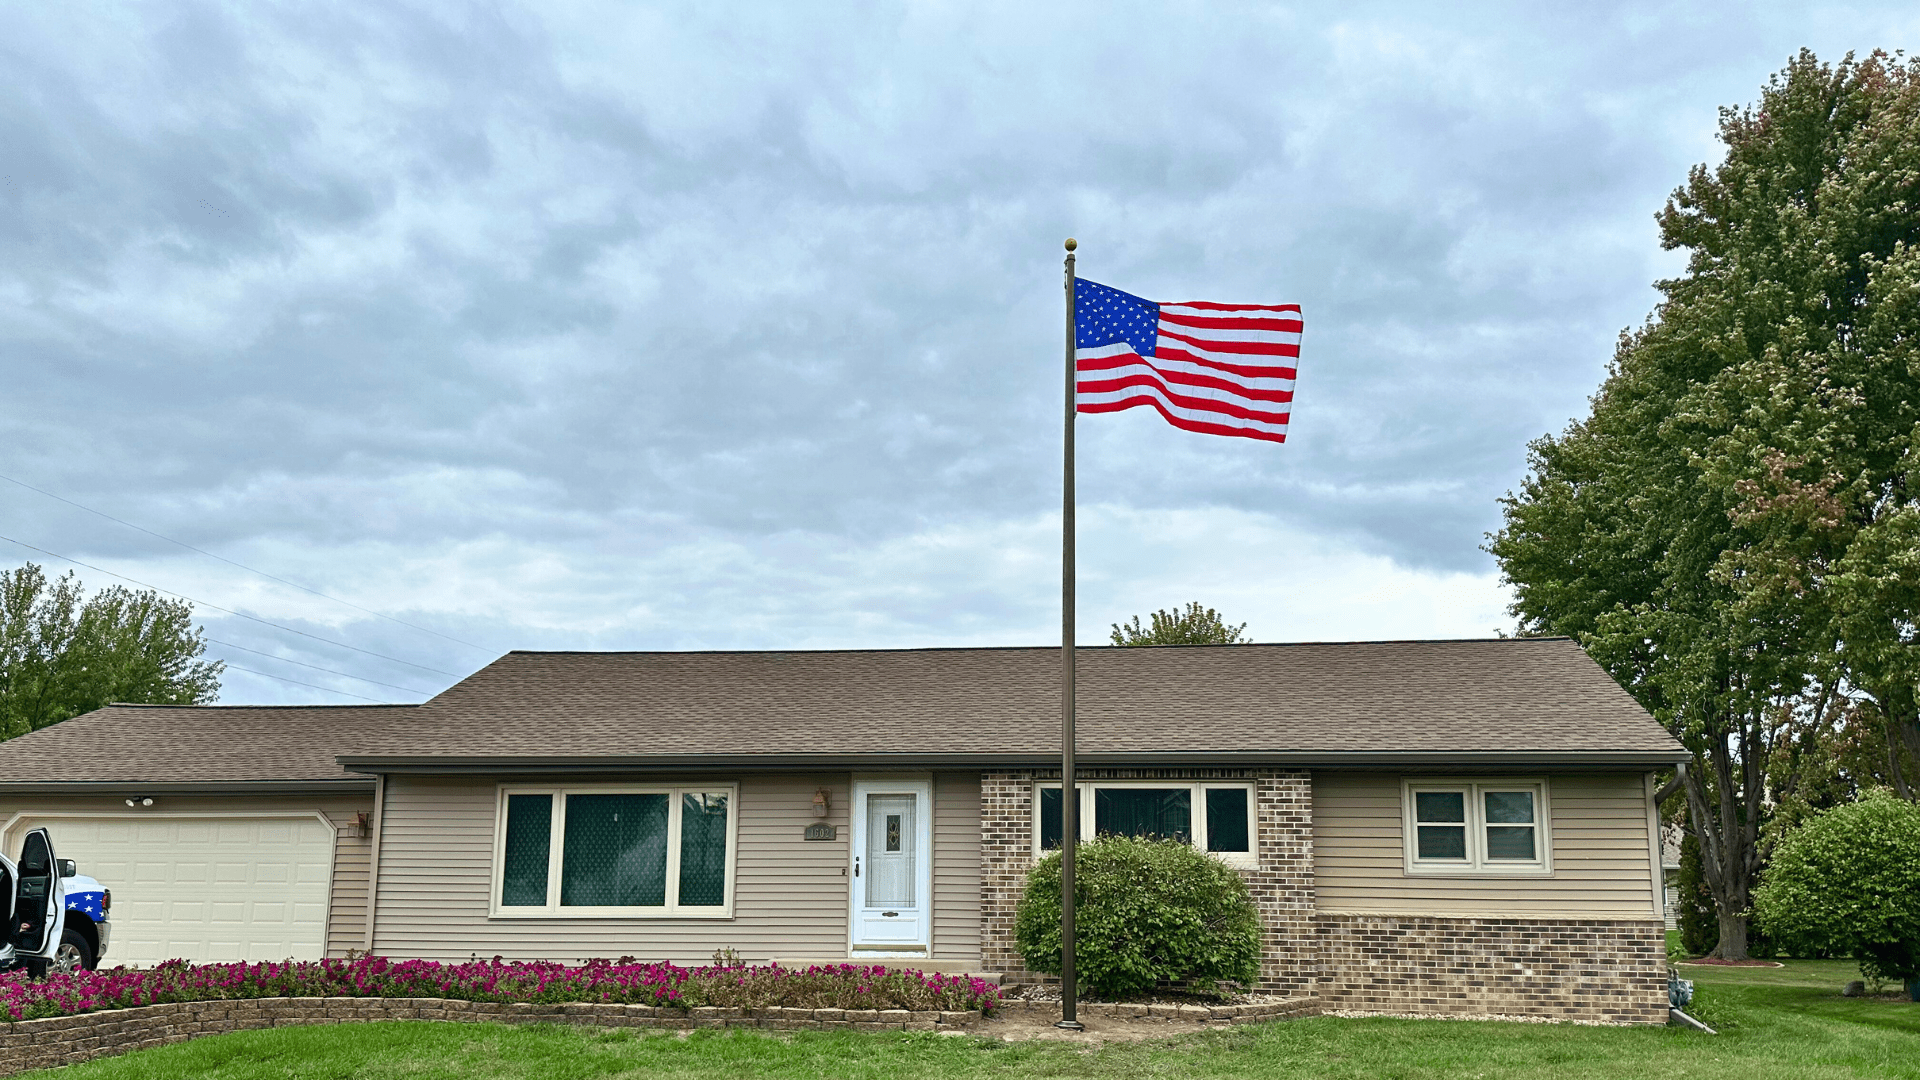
column 68, row 1040
column 1611, row 971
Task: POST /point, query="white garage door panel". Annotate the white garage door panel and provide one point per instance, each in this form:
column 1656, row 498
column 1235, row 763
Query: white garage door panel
column 210, row 890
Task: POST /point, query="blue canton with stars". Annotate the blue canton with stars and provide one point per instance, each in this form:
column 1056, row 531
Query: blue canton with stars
column 1103, row 315
column 90, row 904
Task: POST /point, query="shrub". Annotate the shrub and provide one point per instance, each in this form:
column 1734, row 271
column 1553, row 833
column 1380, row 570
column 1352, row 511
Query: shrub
column 840, row 986
column 1848, row 882
column 1146, row 912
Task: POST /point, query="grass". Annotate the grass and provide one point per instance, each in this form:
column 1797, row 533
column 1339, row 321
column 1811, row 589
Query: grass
column 1779, row 1023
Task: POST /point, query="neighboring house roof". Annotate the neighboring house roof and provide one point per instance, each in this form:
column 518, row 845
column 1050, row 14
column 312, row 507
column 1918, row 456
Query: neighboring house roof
column 184, row 747
column 1505, row 701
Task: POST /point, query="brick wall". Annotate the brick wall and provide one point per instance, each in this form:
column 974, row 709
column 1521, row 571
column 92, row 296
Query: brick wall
column 1282, row 886
column 1598, row 971
column 68, row 1040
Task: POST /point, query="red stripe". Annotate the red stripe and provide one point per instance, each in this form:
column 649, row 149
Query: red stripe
column 1246, row 370
column 1203, row 322
column 1211, row 306
column 1185, row 379
column 1245, row 348
column 1182, row 422
column 1212, row 405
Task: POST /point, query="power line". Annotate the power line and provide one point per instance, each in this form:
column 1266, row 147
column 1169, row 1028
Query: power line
column 316, row 667
column 230, row 611
column 243, row 566
column 297, row 682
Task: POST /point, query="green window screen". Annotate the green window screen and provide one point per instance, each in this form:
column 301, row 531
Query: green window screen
column 1052, row 827
column 615, row 854
column 1227, row 819
column 703, row 849
column 523, row 880
column 1510, row 825
column 1441, row 823
column 1163, row 812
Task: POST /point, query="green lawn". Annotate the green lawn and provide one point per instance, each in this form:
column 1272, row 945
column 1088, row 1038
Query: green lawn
column 1780, row 1022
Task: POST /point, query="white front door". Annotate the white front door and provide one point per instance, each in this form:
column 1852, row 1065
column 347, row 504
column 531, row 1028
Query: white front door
column 892, row 876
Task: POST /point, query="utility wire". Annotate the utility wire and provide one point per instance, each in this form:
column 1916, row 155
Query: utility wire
column 316, row 667
column 297, row 682
column 230, row 611
column 243, row 566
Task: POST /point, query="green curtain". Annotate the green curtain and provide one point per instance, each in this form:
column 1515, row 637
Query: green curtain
column 523, row 880
column 703, row 850
column 615, row 853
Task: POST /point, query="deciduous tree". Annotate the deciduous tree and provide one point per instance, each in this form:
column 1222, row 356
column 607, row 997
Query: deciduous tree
column 1194, row 626
column 63, row 653
column 1731, row 531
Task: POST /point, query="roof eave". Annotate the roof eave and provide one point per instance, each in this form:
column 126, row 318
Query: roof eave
column 1318, row 759
column 126, row 788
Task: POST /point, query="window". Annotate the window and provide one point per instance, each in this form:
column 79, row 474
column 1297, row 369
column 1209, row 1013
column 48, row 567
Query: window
column 1478, row 827
column 603, row 850
column 1213, row 816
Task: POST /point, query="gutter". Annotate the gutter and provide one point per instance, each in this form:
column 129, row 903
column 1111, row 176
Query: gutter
column 1421, row 760
column 124, row 788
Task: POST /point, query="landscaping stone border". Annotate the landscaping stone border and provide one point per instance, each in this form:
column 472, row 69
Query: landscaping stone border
column 68, row 1040
column 1290, row 1009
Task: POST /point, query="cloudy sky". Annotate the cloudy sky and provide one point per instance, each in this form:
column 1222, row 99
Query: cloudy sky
column 739, row 326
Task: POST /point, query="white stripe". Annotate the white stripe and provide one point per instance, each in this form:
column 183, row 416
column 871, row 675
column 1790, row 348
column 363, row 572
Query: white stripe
column 1204, row 415
column 1166, row 348
column 1272, row 337
column 1118, row 348
column 1236, row 313
column 1168, row 363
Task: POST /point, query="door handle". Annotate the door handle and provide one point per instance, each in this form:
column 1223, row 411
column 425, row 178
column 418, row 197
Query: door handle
column 856, row 866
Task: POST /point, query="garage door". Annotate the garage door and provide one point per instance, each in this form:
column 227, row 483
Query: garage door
column 204, row 888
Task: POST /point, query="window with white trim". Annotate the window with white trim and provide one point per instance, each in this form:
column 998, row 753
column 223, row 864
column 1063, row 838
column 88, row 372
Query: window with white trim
column 1476, row 826
column 606, row 850
column 1216, row 816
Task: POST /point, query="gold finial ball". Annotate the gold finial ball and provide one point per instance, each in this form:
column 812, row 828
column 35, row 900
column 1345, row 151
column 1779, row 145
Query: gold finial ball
column 1072, row 243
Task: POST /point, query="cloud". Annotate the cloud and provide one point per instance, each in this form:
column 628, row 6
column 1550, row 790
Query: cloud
column 609, row 325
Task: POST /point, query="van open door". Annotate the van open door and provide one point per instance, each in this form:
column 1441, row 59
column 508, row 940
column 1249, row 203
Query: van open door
column 34, row 928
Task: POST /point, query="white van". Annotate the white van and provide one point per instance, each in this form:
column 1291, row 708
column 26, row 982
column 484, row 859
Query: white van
column 56, row 918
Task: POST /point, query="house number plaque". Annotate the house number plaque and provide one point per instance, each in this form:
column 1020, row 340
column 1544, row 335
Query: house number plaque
column 820, row 830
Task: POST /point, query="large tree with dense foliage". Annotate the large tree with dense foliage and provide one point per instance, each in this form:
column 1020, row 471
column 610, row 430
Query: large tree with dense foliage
column 63, row 653
column 1731, row 531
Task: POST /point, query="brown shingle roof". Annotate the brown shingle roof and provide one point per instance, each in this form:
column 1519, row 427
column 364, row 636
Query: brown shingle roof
column 184, row 745
column 1514, row 700
column 1438, row 697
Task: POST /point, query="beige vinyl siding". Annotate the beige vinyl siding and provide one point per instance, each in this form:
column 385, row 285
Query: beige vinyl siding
column 436, row 852
column 347, row 903
column 1601, row 868
column 956, row 866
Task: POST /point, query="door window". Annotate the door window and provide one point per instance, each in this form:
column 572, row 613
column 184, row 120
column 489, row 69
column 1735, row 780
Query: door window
column 891, row 832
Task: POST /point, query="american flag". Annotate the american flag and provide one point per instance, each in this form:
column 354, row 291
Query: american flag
column 1222, row 369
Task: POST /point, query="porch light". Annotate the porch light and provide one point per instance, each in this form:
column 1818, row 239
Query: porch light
column 138, row 801
column 822, row 798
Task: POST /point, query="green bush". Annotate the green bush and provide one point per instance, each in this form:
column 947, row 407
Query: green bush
column 1146, row 912
column 1848, row 881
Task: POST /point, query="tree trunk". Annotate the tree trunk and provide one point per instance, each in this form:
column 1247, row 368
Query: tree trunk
column 1733, row 937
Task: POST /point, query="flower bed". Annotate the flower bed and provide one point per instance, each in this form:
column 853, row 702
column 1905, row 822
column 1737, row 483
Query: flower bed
column 843, row 986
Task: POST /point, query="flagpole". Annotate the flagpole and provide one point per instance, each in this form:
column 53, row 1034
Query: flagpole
column 1069, row 796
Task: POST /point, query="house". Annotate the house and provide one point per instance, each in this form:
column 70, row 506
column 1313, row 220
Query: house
column 1426, row 826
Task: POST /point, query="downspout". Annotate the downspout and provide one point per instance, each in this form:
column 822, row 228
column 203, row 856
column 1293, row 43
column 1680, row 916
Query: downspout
column 373, row 857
